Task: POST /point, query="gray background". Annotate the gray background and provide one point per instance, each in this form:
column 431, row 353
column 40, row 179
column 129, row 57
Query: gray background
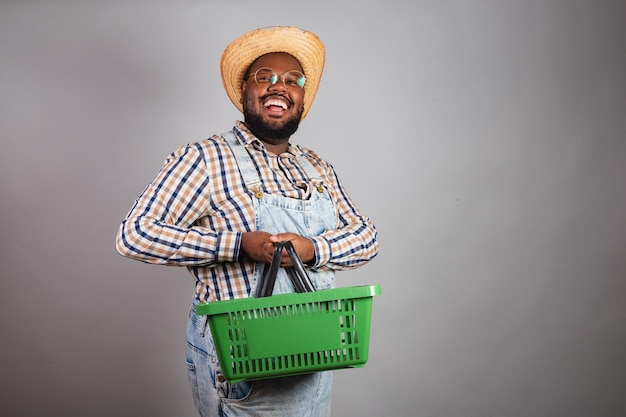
column 485, row 138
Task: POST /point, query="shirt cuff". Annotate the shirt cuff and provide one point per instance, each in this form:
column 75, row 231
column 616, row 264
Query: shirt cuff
column 322, row 251
column 228, row 247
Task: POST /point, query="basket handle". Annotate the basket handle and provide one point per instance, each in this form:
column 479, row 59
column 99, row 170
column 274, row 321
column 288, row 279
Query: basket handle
column 297, row 273
column 266, row 284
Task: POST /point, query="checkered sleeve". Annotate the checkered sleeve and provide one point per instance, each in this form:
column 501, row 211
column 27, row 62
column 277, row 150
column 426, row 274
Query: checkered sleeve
column 160, row 228
column 354, row 241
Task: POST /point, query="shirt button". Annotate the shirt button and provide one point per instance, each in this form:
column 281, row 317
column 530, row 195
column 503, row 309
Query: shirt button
column 221, row 378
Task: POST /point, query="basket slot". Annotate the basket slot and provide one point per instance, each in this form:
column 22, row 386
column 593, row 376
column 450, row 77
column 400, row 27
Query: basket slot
column 309, row 360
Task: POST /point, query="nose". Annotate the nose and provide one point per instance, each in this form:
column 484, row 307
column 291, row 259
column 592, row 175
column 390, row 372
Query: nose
column 279, row 85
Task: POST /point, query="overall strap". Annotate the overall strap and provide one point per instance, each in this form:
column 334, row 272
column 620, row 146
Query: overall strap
column 312, row 174
column 244, row 162
column 309, row 169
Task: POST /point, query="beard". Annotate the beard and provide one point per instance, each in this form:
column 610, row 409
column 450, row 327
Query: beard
column 273, row 132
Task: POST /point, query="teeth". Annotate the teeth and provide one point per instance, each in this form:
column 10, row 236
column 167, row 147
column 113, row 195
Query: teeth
column 279, row 103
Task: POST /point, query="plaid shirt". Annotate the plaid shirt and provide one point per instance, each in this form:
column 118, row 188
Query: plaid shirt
column 194, row 213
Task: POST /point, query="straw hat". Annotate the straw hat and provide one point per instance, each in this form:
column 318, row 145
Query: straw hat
column 305, row 46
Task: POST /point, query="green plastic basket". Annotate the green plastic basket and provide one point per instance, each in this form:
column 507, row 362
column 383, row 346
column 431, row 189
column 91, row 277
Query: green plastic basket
column 290, row 334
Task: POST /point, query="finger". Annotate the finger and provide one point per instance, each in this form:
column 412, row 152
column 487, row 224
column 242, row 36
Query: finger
column 268, row 251
column 282, row 237
column 276, row 238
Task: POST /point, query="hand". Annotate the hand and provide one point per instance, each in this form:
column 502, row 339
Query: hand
column 259, row 247
column 304, row 248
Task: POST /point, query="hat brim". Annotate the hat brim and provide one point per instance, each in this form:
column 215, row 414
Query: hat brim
column 305, row 46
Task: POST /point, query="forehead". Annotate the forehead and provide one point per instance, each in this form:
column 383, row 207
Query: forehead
column 278, row 61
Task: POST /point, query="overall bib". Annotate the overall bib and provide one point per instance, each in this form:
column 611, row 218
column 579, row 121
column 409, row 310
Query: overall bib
column 302, row 395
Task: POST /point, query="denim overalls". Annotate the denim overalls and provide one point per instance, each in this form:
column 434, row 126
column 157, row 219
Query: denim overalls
column 302, row 395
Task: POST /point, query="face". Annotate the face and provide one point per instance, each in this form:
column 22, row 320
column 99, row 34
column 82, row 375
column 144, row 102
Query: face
column 273, row 111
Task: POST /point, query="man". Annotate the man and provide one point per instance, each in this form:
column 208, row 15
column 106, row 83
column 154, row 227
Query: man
column 218, row 206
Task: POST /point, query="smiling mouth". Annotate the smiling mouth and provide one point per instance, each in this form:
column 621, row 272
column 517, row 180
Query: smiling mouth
column 276, row 104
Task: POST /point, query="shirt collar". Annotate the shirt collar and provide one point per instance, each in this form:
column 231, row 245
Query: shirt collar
column 247, row 139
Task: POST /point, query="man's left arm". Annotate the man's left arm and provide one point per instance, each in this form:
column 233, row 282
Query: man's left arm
column 354, row 241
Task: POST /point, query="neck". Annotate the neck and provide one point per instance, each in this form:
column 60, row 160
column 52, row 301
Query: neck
column 276, row 147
